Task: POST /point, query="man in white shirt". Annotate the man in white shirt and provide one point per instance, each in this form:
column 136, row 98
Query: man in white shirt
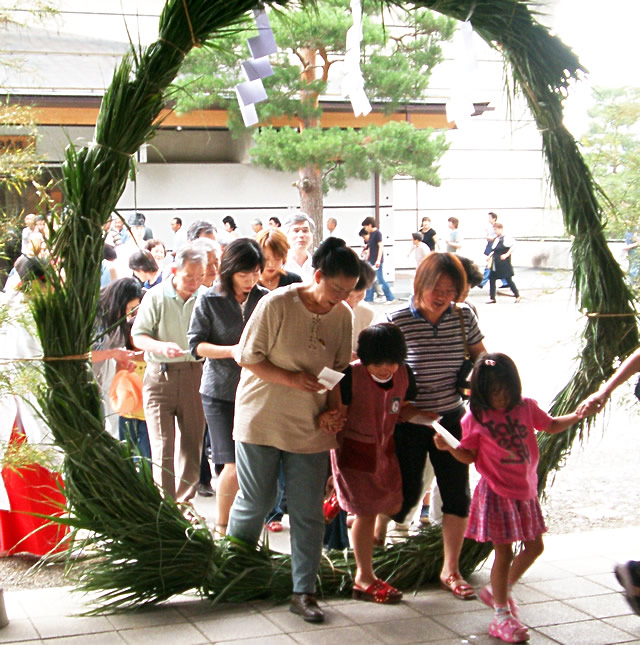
column 299, row 229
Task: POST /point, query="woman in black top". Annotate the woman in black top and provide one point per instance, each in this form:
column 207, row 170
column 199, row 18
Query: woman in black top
column 275, row 248
column 501, row 268
column 428, row 234
column 216, row 326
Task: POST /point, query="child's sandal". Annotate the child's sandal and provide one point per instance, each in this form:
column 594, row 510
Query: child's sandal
column 486, row 595
column 379, row 591
column 509, row 630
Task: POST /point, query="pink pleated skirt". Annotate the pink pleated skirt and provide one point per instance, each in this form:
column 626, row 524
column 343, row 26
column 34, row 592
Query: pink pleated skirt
column 500, row 520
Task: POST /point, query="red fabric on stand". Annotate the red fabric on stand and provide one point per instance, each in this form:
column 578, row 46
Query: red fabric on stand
column 31, row 489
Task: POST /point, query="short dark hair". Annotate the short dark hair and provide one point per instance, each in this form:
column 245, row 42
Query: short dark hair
column 362, row 232
column 109, row 253
column 492, row 215
column 474, row 275
column 137, row 219
column 333, row 257
column 243, row 254
column 229, row 220
column 417, row 236
column 368, row 221
column 177, row 220
column 454, row 220
column 382, row 344
column 152, row 243
column 275, row 220
column 143, row 261
column 367, row 276
column 491, row 373
column 198, row 228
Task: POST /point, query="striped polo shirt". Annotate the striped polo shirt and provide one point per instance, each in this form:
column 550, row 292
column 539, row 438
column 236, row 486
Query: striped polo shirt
column 436, row 353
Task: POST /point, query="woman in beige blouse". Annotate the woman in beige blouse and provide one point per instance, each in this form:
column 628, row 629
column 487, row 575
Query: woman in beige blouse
column 293, row 334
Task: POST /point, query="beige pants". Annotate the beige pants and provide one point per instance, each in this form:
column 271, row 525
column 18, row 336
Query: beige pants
column 175, row 447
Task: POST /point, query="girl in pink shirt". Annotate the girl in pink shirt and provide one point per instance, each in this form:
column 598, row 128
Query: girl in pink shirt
column 498, row 435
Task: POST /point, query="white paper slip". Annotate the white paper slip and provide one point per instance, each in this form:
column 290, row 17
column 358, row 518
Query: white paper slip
column 424, row 420
column 329, row 378
column 446, row 435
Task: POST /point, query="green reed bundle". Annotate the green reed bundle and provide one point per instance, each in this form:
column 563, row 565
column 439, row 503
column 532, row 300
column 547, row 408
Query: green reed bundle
column 144, row 550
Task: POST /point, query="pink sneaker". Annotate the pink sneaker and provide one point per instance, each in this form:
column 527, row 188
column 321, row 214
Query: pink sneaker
column 485, row 594
column 509, row 630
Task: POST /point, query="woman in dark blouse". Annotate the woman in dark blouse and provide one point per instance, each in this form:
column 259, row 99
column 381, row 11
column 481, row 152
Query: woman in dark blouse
column 216, row 326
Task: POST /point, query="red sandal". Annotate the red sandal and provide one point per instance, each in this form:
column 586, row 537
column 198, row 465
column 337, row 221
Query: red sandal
column 458, row 586
column 379, row 591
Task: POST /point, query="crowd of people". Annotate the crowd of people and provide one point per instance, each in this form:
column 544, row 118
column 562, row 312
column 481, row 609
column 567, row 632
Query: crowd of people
column 242, row 343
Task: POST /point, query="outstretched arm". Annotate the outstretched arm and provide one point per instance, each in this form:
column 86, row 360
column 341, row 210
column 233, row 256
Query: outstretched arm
column 627, row 369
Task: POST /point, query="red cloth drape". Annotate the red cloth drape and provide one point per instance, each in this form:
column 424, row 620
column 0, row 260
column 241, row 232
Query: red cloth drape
column 32, row 489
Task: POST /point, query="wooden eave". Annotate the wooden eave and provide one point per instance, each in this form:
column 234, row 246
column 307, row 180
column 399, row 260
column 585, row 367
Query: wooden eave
column 83, row 111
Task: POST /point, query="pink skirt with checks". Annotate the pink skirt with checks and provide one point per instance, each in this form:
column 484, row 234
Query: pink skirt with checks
column 496, row 519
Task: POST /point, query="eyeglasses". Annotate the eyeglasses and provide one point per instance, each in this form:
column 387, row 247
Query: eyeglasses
column 445, row 293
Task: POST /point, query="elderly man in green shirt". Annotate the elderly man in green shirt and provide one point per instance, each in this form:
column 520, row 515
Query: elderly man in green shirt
column 172, row 378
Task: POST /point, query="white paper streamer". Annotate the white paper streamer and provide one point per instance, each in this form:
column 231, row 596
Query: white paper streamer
column 353, row 81
column 460, row 106
column 258, row 67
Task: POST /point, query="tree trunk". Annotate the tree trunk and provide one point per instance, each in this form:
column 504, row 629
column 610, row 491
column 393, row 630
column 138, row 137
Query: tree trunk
column 311, row 198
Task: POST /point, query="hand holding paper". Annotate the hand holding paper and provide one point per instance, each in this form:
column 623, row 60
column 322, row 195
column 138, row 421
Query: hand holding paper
column 329, row 378
column 441, row 430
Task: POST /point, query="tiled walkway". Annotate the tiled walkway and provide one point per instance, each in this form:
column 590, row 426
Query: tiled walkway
column 569, row 596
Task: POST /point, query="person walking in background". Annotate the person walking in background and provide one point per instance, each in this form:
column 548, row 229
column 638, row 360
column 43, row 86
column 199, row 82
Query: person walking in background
column 454, row 238
column 256, row 227
column 429, row 236
column 179, row 234
column 376, row 258
column 499, row 437
column 490, row 235
column 501, row 268
column 418, row 248
column 172, row 378
column 628, row 574
column 332, row 224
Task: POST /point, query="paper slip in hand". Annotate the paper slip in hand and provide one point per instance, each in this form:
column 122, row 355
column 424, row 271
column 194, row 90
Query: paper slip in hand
column 424, row 420
column 329, row 378
column 446, row 435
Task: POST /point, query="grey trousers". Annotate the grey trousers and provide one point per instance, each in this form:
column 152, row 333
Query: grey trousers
column 305, row 477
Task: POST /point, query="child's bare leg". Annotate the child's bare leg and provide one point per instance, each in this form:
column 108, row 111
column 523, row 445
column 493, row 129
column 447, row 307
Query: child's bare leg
column 362, row 538
column 528, row 554
column 503, row 557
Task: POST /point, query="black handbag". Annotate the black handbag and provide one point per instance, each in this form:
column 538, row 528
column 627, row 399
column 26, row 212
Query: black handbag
column 464, row 373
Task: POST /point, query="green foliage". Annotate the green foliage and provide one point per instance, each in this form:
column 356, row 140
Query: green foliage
column 397, row 65
column 612, row 152
column 395, row 148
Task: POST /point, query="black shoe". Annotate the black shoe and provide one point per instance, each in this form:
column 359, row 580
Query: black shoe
column 205, row 490
column 491, row 302
column 306, row 605
column 625, row 577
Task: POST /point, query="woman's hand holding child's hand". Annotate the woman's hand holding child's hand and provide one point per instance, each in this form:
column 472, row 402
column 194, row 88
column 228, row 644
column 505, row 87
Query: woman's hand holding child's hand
column 331, row 421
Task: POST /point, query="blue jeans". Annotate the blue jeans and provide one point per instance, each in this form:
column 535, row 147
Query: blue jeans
column 305, row 476
column 383, row 283
column 135, row 432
